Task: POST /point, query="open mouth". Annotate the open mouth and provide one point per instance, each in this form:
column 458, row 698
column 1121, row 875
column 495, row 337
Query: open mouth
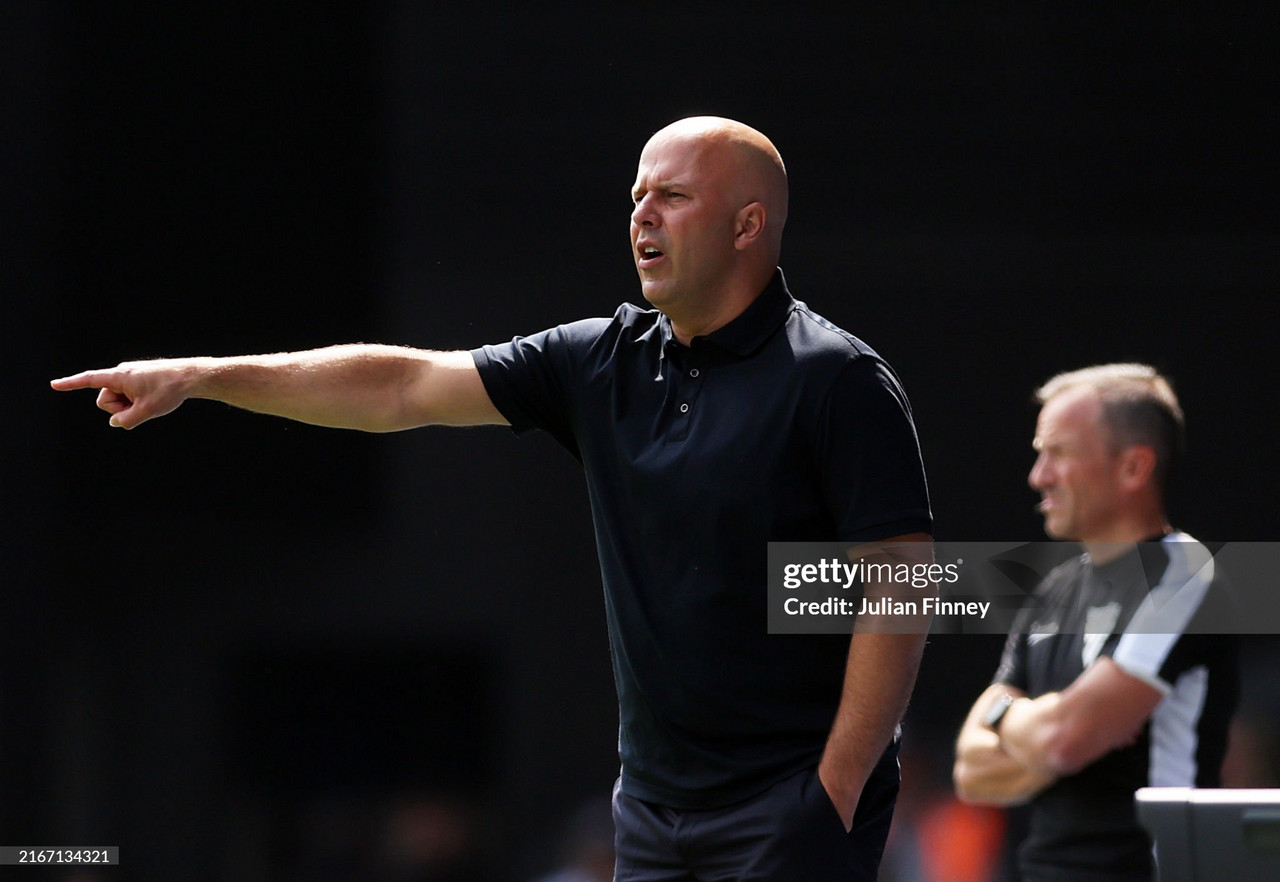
column 649, row 255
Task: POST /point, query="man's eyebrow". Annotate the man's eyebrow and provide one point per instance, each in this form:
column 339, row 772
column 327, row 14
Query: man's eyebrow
column 660, row 186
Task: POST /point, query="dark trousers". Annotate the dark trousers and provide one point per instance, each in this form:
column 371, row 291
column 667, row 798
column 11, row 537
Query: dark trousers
column 789, row 833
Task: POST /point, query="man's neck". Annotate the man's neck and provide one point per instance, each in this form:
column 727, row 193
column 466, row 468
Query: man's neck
column 685, row 329
column 718, row 310
column 1122, row 537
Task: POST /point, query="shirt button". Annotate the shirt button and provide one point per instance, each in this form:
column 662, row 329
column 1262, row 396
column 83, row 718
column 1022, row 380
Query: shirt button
column 684, row 408
column 694, row 372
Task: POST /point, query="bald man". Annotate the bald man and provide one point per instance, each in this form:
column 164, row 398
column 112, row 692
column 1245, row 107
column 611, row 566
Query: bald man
column 728, row 416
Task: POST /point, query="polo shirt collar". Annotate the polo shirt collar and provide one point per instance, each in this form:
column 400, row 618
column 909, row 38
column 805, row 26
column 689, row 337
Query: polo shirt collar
column 1145, row 562
column 749, row 331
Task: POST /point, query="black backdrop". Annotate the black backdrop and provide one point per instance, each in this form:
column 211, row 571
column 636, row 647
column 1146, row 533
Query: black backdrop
column 221, row 622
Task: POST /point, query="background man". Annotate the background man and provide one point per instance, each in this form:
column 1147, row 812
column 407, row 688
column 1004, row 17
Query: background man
column 730, row 416
column 1089, row 702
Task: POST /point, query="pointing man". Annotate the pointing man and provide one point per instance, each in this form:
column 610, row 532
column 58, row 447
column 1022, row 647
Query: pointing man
column 729, row 416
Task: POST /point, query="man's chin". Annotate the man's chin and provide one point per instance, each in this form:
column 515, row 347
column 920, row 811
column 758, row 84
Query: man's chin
column 657, row 294
column 1058, row 531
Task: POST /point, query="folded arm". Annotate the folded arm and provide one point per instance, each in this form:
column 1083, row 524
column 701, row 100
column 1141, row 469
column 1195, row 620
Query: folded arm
column 1045, row 738
column 1060, row 733
column 984, row 771
column 369, row 387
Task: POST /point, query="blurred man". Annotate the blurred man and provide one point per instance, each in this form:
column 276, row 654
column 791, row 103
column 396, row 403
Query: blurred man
column 728, row 417
column 1105, row 685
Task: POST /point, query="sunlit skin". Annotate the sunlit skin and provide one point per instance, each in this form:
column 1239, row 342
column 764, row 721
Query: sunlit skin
column 1074, row 469
column 710, row 201
column 710, row 204
column 1090, row 491
column 1104, row 493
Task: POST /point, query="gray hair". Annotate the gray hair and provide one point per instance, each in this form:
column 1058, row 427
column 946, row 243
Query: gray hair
column 1138, row 407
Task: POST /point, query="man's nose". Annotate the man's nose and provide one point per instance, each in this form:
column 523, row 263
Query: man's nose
column 643, row 214
column 1038, row 476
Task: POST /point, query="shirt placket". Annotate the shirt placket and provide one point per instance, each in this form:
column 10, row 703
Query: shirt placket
column 688, row 375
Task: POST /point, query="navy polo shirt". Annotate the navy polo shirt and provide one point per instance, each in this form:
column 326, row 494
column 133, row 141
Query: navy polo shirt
column 778, row 426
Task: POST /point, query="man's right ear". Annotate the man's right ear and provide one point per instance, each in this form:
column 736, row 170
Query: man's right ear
column 749, row 225
column 1137, row 466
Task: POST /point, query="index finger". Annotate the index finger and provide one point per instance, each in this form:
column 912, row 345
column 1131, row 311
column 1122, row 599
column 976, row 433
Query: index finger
column 84, row 380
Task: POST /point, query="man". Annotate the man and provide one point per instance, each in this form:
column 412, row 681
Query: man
column 728, row 417
column 1106, row 684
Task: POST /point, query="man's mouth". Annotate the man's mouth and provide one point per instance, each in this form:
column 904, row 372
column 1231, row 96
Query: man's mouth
column 647, row 256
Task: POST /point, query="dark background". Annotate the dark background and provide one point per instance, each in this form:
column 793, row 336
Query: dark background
column 234, row 646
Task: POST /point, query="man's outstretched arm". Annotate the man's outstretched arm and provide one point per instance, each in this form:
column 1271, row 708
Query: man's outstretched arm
column 370, row 387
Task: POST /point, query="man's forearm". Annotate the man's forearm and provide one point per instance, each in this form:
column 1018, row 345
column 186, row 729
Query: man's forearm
column 355, row 386
column 985, row 772
column 884, row 658
column 1062, row 732
column 1028, row 730
column 880, row 674
column 370, row 387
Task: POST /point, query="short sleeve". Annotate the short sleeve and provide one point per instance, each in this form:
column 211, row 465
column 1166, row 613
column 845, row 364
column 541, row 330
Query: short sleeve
column 1012, row 670
column 531, row 379
column 1156, row 646
column 872, row 470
